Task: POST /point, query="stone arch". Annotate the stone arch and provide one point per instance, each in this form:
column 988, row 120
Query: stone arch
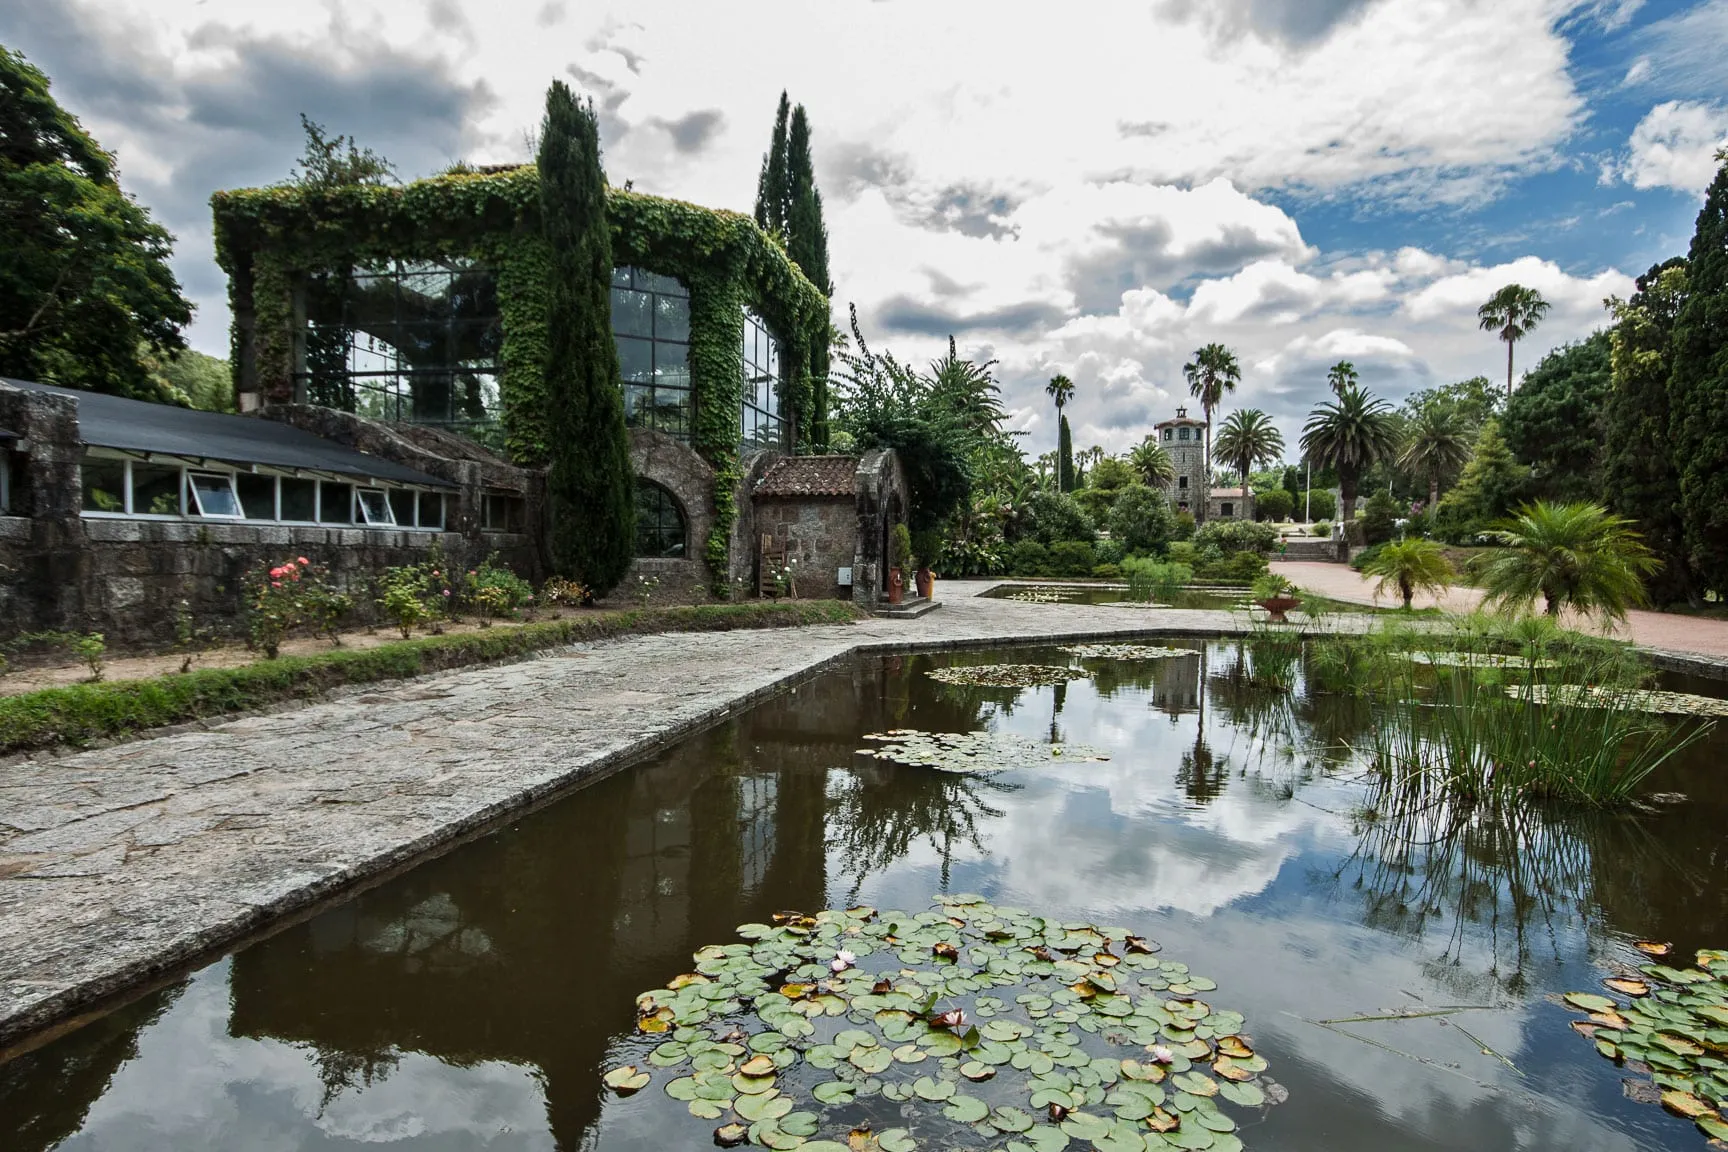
column 675, row 469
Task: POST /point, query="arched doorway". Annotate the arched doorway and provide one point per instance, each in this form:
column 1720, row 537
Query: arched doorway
column 662, row 530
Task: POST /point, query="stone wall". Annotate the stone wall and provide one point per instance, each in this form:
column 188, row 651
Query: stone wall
column 745, row 530
column 881, row 502
column 676, row 467
column 822, row 533
column 126, row 578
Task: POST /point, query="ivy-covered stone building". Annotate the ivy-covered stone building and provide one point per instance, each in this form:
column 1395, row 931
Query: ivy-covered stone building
column 425, row 304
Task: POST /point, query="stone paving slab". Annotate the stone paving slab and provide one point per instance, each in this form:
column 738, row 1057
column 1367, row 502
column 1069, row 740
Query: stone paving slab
column 123, row 864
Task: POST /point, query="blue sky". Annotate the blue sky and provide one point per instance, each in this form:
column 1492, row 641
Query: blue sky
column 1096, row 191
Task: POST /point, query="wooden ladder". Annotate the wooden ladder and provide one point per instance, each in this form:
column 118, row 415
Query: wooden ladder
column 770, row 558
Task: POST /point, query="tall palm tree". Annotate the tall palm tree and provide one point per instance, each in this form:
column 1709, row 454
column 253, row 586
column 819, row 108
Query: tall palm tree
column 1342, row 375
column 1512, row 312
column 1436, row 441
column 1212, row 373
column 1350, row 434
column 1410, row 566
column 1578, row 556
column 1246, row 439
column 1152, row 464
column 1061, row 390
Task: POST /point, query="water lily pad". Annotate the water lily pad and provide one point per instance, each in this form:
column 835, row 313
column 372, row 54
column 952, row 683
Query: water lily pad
column 768, row 1106
column 974, row 752
column 834, row 1092
column 966, row 1110
column 1247, row 1095
column 627, row 1079
column 1127, row 652
column 800, row 1123
column 896, row 1140
column 731, row 1135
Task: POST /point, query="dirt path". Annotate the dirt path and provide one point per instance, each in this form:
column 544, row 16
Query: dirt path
column 1673, row 633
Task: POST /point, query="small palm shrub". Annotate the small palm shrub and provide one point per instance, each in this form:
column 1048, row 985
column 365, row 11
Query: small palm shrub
column 1578, row 556
column 1410, row 566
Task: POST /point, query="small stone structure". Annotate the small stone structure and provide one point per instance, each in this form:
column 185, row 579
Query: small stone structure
column 1227, row 504
column 1184, row 439
column 833, row 513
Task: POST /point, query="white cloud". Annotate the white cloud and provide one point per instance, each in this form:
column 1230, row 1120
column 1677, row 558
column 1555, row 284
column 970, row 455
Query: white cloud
column 1675, row 146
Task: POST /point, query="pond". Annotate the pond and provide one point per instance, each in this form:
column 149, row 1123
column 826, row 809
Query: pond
column 1221, row 597
column 475, row 1001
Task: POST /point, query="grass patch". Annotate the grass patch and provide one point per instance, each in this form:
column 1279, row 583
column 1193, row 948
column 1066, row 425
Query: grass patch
column 80, row 713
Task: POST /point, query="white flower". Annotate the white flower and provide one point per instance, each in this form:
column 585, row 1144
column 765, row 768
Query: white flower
column 842, row 961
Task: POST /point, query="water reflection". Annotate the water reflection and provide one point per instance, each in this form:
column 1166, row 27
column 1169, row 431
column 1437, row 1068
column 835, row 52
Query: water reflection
column 469, row 1002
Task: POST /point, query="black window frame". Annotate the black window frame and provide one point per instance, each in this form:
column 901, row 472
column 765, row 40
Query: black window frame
column 662, row 395
column 660, row 519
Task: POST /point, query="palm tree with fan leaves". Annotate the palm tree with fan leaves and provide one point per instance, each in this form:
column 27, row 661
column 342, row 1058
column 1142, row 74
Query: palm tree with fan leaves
column 1247, row 438
column 1211, row 374
column 1152, row 464
column 1350, row 434
column 1511, row 313
column 1342, row 375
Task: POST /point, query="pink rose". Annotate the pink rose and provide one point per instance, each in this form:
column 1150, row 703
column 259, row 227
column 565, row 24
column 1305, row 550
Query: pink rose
column 303, row 560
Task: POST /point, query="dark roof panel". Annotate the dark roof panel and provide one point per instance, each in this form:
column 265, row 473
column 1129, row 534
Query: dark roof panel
column 139, row 426
column 810, row 476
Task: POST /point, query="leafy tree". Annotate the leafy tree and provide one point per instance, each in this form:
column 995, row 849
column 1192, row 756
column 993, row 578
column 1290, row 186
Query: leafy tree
column 1379, row 518
column 1273, row 504
column 589, row 481
column 1051, row 517
column 1349, row 434
column 1492, row 484
column 337, row 161
column 1436, row 441
column 1152, row 464
column 1698, row 390
column 1247, row 438
column 1578, row 556
column 1318, row 504
column 1212, row 373
column 1512, row 313
column 1110, row 473
column 1410, row 566
column 1064, row 456
column 84, row 276
column 1477, row 400
column 1642, row 474
column 1555, row 421
column 1342, row 375
column 1141, row 521
column 193, row 379
column 774, row 184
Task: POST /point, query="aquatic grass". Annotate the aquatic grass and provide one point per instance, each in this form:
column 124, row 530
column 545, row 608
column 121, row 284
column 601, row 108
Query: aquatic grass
column 1155, row 580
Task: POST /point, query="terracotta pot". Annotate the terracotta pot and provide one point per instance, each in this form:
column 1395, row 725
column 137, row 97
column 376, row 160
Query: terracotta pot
column 896, row 586
column 926, row 582
column 1276, row 606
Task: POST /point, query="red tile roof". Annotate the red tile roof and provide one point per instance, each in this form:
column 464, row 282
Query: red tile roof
column 810, row 476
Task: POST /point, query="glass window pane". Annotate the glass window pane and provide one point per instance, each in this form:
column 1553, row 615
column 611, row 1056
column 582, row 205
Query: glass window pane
column 155, row 490
column 257, row 495
column 402, row 506
column 431, row 510
column 635, row 359
column 638, row 400
column 621, row 277
column 632, row 313
column 297, row 498
column 104, row 484
column 213, row 495
column 660, row 527
column 335, row 503
column 671, row 318
column 374, row 507
column 654, row 282
column 671, row 365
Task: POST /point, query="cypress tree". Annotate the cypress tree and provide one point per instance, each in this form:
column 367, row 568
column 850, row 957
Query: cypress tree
column 1064, row 457
column 807, row 245
column 1698, row 390
column 773, row 189
column 1641, row 474
column 589, row 481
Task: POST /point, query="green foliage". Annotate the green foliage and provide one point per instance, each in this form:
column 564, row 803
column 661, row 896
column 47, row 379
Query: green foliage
column 494, row 590
column 773, row 185
column 88, row 647
column 193, row 379
column 1350, row 434
column 337, row 162
column 81, row 713
column 900, row 553
column 1233, row 568
column 1185, row 526
column 1410, row 566
column 1437, row 442
column 1028, row 558
column 1248, row 438
column 405, row 596
column 280, row 598
column 1698, row 390
column 1112, row 473
column 1576, row 556
column 1322, row 528
column 85, row 283
column 1477, row 400
column 1141, row 521
column 1511, row 313
column 1051, row 517
column 1152, row 580
column 1212, row 374
column 1064, row 456
column 1271, row 586
column 1318, row 503
column 1379, row 518
column 1071, row 558
column 1493, row 482
column 589, row 482
column 1642, row 472
column 1237, row 536
column 789, row 208
column 1108, row 551
column 1152, row 464
column 1273, row 504
column 1554, row 422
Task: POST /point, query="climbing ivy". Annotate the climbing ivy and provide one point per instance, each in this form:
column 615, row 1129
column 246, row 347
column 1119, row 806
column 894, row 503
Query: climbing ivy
column 267, row 239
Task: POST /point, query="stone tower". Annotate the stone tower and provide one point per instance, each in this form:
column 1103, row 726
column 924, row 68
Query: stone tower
column 1184, row 439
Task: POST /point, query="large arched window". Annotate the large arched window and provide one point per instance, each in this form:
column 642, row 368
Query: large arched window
column 660, row 526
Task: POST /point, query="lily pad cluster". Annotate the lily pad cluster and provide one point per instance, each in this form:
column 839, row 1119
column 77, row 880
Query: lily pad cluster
column 1126, row 652
column 1672, row 1025
column 1042, row 595
column 1480, row 660
column 1007, row 675
column 1644, row 699
column 974, row 752
column 964, row 1026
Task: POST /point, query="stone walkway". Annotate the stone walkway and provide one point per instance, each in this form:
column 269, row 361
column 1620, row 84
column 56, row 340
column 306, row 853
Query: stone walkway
column 1657, row 630
column 127, row 863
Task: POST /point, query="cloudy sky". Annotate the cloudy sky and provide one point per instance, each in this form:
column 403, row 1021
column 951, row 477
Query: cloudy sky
column 1096, row 189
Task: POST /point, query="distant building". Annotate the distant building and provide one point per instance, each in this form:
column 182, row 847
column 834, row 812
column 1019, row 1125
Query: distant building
column 1227, row 504
column 1184, row 439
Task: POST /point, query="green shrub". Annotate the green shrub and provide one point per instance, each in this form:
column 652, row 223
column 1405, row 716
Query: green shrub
column 1379, row 518
column 1153, row 580
column 1071, row 558
column 1141, row 521
column 1184, row 552
column 1028, row 558
column 493, row 590
column 1185, row 524
column 1236, row 568
column 1237, row 536
column 1096, row 502
column 1052, row 517
column 926, row 546
column 80, row 713
column 1318, row 503
column 1273, row 504
column 900, row 547
column 1322, row 528
column 1366, row 556
column 1108, row 551
column 1107, row 571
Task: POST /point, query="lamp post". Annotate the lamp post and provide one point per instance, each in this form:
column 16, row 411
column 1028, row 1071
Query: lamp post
column 1308, row 495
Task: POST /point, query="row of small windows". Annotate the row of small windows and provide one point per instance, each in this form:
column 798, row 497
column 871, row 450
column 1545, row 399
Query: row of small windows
column 420, row 341
column 114, row 486
column 1183, row 436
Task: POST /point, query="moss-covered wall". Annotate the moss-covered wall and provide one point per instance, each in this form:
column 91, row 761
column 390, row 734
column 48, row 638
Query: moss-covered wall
column 268, row 239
